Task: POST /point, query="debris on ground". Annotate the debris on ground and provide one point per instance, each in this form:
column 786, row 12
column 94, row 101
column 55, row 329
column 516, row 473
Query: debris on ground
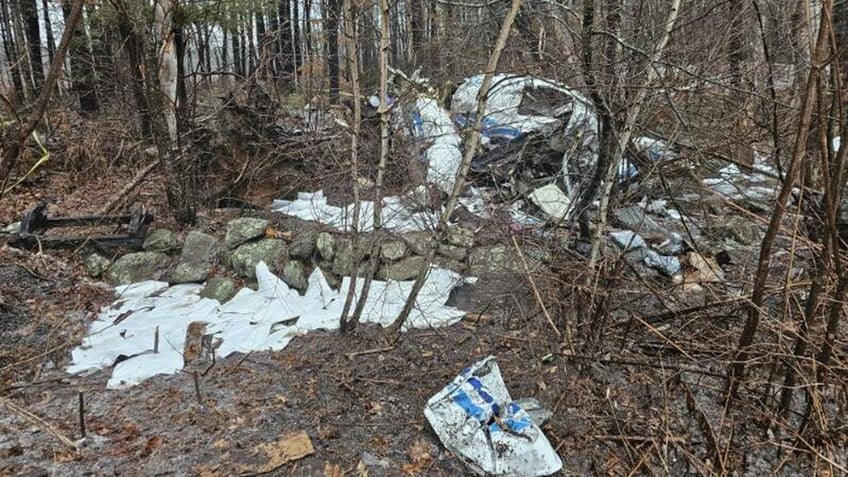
column 287, row 449
column 476, row 419
column 35, row 227
column 143, row 333
column 438, row 141
column 700, row 270
column 399, row 215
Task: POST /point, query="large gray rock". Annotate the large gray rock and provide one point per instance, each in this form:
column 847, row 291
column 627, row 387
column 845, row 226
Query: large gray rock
column 326, row 245
column 461, row 237
column 392, row 250
column 136, row 267
column 740, row 230
column 294, row 274
column 452, row 252
column 95, row 264
column 334, row 281
column 200, row 254
column 219, row 288
column 303, row 246
column 406, row 269
column 495, row 260
column 160, row 240
column 343, row 258
column 245, row 258
column 242, row 230
column 419, row 242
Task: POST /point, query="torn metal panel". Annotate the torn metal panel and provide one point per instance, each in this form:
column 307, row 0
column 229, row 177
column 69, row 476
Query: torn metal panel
column 477, row 420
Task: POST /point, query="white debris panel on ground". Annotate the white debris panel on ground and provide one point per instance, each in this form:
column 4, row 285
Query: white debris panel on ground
column 399, row 214
column 254, row 320
column 438, row 141
column 477, row 420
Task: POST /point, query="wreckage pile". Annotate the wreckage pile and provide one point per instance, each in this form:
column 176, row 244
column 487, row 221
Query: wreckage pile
column 260, row 285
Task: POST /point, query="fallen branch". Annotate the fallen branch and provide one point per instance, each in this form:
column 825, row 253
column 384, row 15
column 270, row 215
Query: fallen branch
column 538, row 295
column 645, row 439
column 119, row 197
column 370, row 351
column 38, row 422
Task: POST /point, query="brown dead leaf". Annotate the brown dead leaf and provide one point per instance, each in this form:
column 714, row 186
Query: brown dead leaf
column 221, row 444
column 375, row 408
column 702, row 269
column 361, row 469
column 419, row 454
column 151, row 445
column 332, row 470
column 207, row 471
column 287, row 449
column 272, row 233
column 326, row 432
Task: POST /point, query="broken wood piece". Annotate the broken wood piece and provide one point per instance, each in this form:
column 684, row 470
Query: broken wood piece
column 646, row 439
column 139, row 177
column 370, row 351
column 478, row 317
column 287, row 449
column 194, row 342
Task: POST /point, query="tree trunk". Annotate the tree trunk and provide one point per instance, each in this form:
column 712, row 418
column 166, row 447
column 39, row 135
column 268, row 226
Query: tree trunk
column 307, row 35
column 180, row 176
column 82, row 77
column 262, row 42
column 273, row 45
column 351, row 56
column 178, row 29
column 284, row 40
column 297, row 49
column 251, row 45
column 243, row 44
column 135, row 55
column 13, row 144
column 48, row 31
column 385, row 114
column 225, row 57
column 101, row 57
column 743, row 350
column 237, row 64
column 11, row 51
column 331, row 21
column 29, row 12
column 418, row 35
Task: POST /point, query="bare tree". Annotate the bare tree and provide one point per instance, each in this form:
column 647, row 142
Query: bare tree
column 12, row 145
column 29, row 11
column 350, row 16
column 746, row 339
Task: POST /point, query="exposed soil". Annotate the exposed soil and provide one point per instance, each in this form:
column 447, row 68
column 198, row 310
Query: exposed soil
column 649, row 403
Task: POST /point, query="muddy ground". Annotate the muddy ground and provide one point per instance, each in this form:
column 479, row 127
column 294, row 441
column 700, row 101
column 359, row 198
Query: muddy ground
column 645, row 397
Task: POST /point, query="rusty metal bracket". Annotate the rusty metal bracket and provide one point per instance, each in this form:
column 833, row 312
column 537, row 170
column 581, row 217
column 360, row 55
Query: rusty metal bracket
column 131, row 228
